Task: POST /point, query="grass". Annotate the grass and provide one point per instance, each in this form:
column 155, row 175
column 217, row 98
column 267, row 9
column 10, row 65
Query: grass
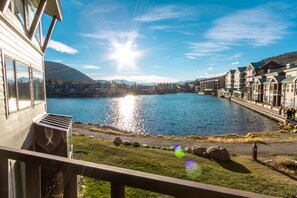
column 241, row 173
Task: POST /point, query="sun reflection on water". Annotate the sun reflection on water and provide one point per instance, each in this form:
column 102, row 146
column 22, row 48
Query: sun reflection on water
column 126, row 108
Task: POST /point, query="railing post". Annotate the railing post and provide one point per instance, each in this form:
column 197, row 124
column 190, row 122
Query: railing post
column 33, row 180
column 117, row 190
column 4, row 186
column 69, row 184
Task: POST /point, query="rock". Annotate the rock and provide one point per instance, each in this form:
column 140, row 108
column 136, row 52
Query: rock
column 91, row 136
column 172, row 148
column 157, row 147
column 188, row 149
column 127, row 143
column 74, row 134
column 145, row 146
column 198, row 150
column 163, row 148
column 217, row 153
column 117, row 141
column 136, row 144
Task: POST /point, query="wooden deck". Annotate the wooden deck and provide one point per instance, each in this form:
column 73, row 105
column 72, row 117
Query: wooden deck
column 118, row 177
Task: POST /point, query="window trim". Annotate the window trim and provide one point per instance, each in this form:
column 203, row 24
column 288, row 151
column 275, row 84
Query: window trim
column 15, row 61
column 17, row 88
column 44, row 90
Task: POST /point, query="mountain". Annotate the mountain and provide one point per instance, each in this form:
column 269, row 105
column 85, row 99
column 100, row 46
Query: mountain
column 283, row 59
column 61, row 72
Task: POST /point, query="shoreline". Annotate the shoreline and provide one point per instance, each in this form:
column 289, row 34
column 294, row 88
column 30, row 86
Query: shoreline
column 263, row 136
column 269, row 143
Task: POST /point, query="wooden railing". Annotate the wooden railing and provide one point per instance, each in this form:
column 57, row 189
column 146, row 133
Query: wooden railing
column 118, row 177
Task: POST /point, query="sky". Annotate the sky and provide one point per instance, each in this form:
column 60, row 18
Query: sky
column 169, row 41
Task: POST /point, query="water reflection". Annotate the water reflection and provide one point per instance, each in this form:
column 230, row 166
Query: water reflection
column 126, row 107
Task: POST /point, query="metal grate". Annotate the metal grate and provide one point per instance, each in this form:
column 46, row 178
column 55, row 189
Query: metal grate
column 53, row 121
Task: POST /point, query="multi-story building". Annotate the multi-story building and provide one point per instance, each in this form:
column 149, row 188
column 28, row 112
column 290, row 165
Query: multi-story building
column 239, row 82
column 271, row 87
column 212, row 85
column 257, row 69
column 289, row 86
column 22, row 89
column 229, row 79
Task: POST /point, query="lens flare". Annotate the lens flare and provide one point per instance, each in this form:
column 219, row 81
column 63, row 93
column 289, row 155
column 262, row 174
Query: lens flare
column 179, row 152
column 193, row 170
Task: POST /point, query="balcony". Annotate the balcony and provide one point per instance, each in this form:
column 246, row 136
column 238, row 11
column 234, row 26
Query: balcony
column 118, row 177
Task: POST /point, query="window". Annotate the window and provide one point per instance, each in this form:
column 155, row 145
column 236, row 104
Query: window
column 18, row 85
column 23, row 85
column 11, row 85
column 19, row 10
column 31, row 6
column 38, row 84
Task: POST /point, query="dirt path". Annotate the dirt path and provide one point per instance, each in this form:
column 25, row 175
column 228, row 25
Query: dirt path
column 234, row 148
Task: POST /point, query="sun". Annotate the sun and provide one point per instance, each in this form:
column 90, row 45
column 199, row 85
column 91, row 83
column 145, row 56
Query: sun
column 124, row 54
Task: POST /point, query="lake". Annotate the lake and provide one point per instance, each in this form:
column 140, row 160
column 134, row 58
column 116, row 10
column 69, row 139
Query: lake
column 171, row 114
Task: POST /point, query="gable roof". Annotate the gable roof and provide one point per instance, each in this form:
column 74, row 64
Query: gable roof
column 232, row 71
column 257, row 64
column 241, row 69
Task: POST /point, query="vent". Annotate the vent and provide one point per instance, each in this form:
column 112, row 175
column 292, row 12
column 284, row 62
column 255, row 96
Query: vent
column 53, row 135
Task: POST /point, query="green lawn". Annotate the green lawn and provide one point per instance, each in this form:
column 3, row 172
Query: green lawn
column 241, row 173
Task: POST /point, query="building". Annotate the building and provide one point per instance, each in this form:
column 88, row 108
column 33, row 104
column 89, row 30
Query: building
column 22, row 92
column 212, row 85
column 258, row 69
column 289, row 86
column 239, row 82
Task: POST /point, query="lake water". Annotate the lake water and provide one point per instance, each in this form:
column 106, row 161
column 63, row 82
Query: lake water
column 171, row 114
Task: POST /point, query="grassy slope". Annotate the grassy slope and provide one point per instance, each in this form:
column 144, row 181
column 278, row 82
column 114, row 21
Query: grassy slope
column 241, row 173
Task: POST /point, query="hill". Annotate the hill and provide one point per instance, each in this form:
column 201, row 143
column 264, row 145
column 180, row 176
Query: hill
column 283, row 59
column 61, row 72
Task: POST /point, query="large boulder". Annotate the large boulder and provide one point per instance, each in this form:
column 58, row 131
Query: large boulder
column 198, row 150
column 117, row 141
column 218, row 154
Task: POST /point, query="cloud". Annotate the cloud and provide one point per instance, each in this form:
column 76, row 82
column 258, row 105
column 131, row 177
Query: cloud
column 235, row 63
column 90, row 67
column 166, row 13
column 60, row 47
column 205, row 49
column 258, row 26
column 207, row 75
column 210, row 68
column 139, row 78
column 113, row 35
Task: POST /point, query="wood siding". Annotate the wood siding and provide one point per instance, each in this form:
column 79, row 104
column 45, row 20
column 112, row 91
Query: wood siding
column 16, row 127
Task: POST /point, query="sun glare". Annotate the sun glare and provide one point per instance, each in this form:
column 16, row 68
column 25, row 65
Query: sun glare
column 124, row 54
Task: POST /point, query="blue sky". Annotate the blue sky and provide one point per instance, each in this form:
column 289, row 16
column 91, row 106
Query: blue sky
column 167, row 41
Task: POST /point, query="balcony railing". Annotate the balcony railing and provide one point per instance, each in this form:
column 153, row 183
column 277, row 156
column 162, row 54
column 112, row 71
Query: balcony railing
column 118, row 177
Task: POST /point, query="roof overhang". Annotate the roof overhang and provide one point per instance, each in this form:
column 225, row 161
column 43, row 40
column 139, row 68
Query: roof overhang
column 53, row 8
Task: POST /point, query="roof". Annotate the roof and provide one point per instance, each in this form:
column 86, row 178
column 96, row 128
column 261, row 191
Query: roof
column 257, row 64
column 261, row 80
column 279, row 78
column 267, row 81
column 241, row 69
column 288, row 79
column 277, row 70
column 232, row 71
column 53, row 8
